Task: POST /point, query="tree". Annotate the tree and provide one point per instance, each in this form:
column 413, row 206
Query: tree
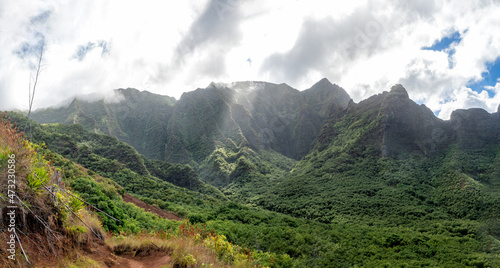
column 33, row 81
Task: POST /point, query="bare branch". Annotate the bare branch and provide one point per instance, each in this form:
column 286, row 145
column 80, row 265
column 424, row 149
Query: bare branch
column 21, row 245
column 38, row 218
column 35, row 82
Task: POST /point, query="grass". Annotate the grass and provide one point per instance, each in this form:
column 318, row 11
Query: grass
column 80, row 232
column 81, row 261
column 184, row 251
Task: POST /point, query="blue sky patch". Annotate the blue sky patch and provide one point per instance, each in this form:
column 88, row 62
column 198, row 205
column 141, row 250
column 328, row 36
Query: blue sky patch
column 82, row 50
column 32, row 48
column 489, row 78
column 444, row 45
column 445, row 42
column 41, row 18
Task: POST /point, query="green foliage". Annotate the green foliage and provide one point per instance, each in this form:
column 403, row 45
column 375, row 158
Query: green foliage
column 435, row 243
column 75, row 230
column 37, row 178
column 343, row 205
column 75, row 204
column 182, row 176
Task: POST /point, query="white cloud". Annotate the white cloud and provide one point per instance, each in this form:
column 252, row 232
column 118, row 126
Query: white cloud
column 364, row 46
column 466, row 98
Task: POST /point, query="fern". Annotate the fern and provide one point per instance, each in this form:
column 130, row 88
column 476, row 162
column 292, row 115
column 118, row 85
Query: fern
column 38, row 177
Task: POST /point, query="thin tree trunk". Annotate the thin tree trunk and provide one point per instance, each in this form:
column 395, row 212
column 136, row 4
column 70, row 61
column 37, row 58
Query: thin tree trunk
column 31, row 92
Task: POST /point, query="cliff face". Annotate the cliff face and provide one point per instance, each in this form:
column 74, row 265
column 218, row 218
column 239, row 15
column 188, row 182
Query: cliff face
column 475, row 128
column 409, row 128
column 262, row 115
column 139, row 118
column 259, row 115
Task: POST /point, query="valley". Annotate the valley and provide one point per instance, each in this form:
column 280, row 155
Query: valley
column 303, row 178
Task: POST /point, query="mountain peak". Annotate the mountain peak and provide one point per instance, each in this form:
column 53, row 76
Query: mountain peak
column 324, row 90
column 400, row 90
column 216, row 85
column 323, row 81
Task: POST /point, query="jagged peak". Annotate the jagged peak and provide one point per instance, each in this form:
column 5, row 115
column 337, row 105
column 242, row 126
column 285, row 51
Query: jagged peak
column 248, row 86
column 323, row 81
column 324, row 90
column 216, row 85
column 399, row 89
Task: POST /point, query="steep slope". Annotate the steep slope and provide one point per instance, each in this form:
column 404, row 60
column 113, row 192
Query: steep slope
column 289, row 120
column 137, row 118
column 389, row 158
column 372, row 192
column 237, row 117
column 109, row 157
column 476, row 128
column 50, row 226
column 259, row 115
column 403, row 125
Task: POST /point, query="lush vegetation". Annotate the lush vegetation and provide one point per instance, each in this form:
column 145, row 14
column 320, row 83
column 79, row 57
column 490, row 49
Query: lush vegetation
column 70, row 226
column 340, row 206
column 451, row 199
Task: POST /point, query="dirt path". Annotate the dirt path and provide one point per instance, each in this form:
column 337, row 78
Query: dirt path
column 155, row 260
column 162, row 213
column 104, row 254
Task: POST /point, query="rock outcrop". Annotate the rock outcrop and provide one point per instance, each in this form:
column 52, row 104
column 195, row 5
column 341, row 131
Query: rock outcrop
column 475, row 128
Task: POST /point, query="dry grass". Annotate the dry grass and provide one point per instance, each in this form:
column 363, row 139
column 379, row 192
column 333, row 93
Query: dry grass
column 184, row 251
column 80, row 232
column 81, row 261
column 193, row 254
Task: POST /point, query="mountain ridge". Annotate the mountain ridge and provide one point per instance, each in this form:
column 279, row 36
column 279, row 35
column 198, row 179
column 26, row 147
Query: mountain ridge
column 265, row 116
column 383, row 181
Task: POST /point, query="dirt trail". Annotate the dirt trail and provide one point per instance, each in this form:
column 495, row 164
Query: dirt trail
column 155, row 260
column 162, row 213
column 104, row 254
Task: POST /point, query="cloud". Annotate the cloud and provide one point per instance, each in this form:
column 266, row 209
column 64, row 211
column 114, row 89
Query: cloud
column 465, row 98
column 383, row 43
column 166, row 48
column 209, row 38
column 330, row 46
column 34, row 30
column 82, row 50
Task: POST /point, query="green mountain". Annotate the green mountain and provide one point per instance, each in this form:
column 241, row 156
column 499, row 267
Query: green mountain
column 311, row 174
column 139, row 118
column 389, row 158
column 210, row 128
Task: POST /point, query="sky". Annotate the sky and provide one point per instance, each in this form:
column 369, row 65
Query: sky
column 445, row 53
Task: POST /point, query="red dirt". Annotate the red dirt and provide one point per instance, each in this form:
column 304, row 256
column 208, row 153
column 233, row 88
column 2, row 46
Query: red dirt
column 162, row 213
column 153, row 260
column 100, row 252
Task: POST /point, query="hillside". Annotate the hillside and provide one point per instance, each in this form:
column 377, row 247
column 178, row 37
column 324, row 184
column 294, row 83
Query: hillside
column 248, row 116
column 56, row 225
column 389, row 158
column 138, row 118
column 315, row 178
